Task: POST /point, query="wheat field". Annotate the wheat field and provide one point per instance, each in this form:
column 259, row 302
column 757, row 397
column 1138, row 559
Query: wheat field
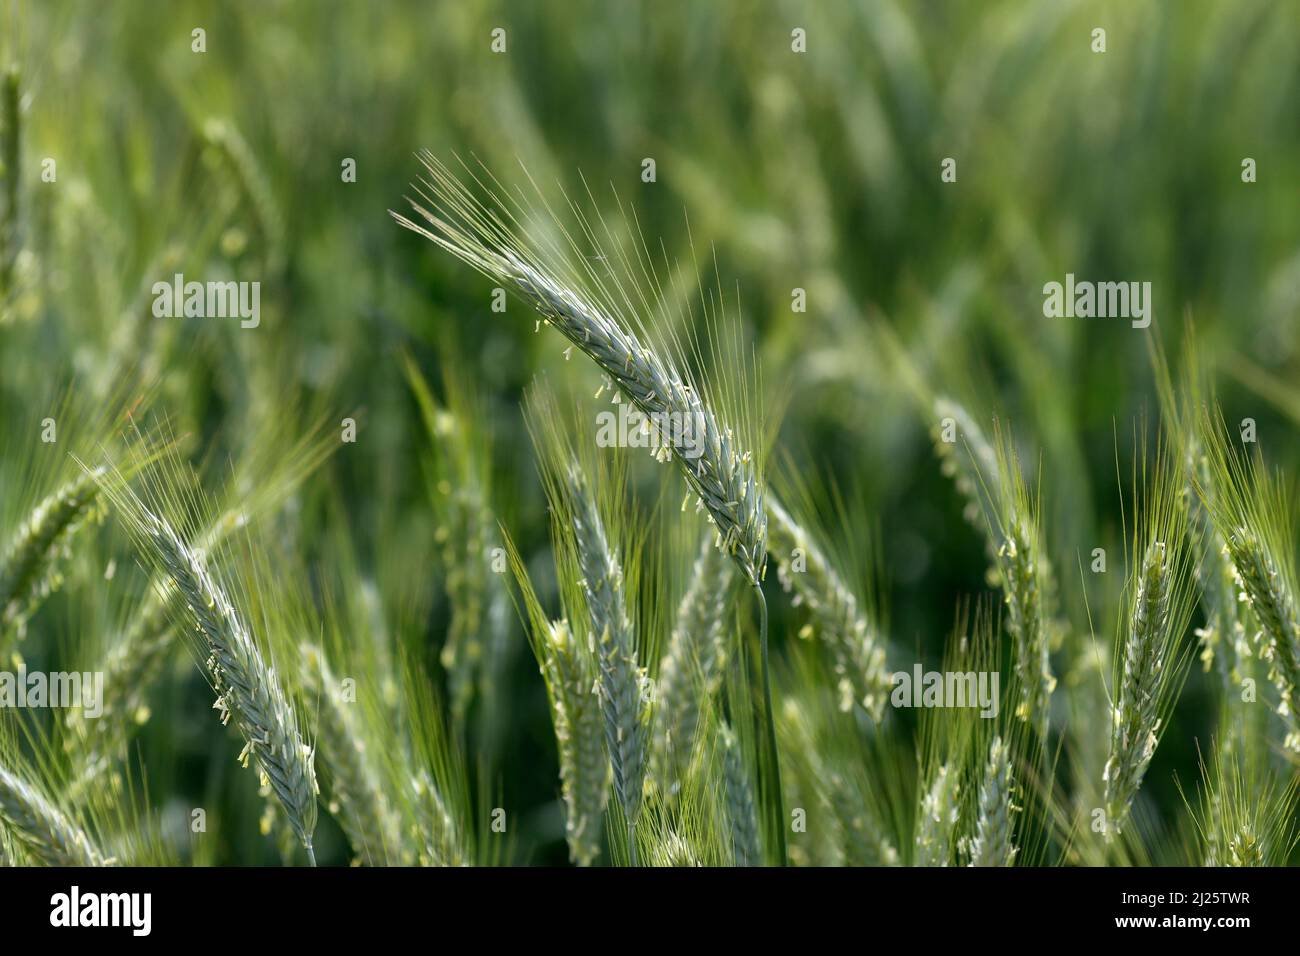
column 675, row 434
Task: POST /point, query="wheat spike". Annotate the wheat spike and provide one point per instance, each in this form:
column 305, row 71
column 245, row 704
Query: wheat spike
column 1136, row 719
column 1274, row 605
column 41, row 828
column 691, row 671
column 745, row 845
column 841, row 622
column 620, row 692
column 29, row 571
column 584, row 764
column 937, row 824
column 992, row 845
column 723, row 474
column 355, row 785
column 247, row 688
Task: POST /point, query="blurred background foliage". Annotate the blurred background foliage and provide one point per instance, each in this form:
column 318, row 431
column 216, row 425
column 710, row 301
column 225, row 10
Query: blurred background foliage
column 818, row 171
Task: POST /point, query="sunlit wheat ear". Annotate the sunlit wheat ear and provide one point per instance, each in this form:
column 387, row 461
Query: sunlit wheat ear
column 131, row 668
column 741, row 810
column 248, row 690
column 43, row 830
column 29, row 570
column 673, row 851
column 993, row 844
column 605, row 313
column 936, row 825
column 839, row 618
column 691, row 672
column 356, row 789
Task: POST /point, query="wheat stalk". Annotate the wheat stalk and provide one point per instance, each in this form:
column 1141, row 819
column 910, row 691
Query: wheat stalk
column 1252, row 514
column 138, row 656
column 857, row 647
column 691, row 671
column 992, row 844
column 1224, row 638
column 41, row 828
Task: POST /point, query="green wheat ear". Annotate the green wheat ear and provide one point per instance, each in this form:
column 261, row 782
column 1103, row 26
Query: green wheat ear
column 569, row 671
column 840, row 617
column 745, row 841
column 993, row 844
column 1251, row 511
column 249, row 692
column 41, row 828
column 604, row 308
column 1151, row 653
column 690, row 675
column 356, row 788
column 29, row 570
